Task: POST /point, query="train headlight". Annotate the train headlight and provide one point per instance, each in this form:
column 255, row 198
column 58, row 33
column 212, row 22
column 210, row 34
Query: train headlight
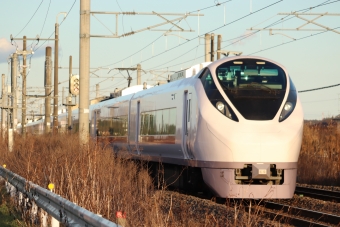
column 287, row 109
column 225, row 109
column 220, row 106
column 288, row 106
column 290, row 103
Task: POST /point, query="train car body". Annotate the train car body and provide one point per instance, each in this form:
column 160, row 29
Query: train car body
column 239, row 120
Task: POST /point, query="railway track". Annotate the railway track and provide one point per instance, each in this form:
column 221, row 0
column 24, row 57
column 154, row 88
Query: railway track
column 298, row 216
column 291, row 215
column 295, row 216
column 284, row 214
column 318, row 193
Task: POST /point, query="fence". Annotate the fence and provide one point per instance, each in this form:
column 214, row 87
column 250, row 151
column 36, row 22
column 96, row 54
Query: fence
column 59, row 208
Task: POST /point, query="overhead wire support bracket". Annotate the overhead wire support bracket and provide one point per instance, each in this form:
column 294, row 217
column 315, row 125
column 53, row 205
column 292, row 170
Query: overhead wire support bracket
column 300, row 28
column 150, row 28
column 127, row 70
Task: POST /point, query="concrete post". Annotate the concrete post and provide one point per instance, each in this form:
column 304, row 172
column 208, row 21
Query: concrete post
column 48, row 86
column 69, row 98
column 14, row 111
column 207, row 47
column 55, row 101
column 3, row 111
column 97, row 90
column 23, row 108
column 63, row 96
column 212, row 48
column 43, row 218
column 219, row 42
column 139, row 74
column 84, row 71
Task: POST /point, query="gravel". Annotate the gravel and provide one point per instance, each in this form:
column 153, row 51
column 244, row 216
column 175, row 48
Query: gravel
column 330, row 188
column 185, row 208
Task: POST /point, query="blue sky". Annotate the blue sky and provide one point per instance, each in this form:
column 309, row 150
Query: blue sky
column 312, row 61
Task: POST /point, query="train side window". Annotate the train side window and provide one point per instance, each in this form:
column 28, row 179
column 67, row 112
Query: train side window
column 210, row 86
column 207, row 80
column 158, row 122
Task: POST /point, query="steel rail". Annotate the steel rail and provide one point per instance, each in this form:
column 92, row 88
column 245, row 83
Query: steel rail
column 297, row 216
column 318, row 193
column 61, row 209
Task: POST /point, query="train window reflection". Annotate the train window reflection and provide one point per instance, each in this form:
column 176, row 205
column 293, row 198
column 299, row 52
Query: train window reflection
column 251, row 76
column 116, row 126
column 159, row 122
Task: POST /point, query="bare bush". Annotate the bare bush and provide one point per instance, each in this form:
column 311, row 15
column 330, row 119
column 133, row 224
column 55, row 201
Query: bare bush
column 95, row 178
column 319, row 161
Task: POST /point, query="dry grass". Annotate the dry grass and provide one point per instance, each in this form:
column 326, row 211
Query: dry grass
column 94, row 178
column 319, row 161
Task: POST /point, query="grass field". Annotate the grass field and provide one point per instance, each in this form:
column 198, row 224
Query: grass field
column 95, row 179
column 319, row 161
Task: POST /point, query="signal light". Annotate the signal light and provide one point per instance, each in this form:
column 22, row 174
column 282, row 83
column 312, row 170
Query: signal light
column 74, row 84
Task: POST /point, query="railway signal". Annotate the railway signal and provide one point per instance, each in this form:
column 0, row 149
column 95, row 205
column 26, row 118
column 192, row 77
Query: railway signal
column 74, row 84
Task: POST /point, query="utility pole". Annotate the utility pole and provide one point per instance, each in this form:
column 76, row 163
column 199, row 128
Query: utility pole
column 4, row 103
column 212, row 49
column 97, row 90
column 139, row 75
column 69, row 99
column 24, row 52
column 23, row 108
column 48, row 86
column 55, row 101
column 219, row 41
column 14, row 63
column 207, row 47
column 84, row 70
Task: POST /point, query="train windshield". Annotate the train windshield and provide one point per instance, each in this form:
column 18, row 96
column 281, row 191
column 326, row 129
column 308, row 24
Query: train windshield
column 255, row 87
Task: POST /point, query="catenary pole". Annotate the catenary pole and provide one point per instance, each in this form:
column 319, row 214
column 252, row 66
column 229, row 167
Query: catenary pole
column 4, row 103
column 84, row 69
column 139, row 75
column 219, row 42
column 23, row 105
column 55, row 101
column 212, row 49
column 48, row 86
column 69, row 99
column 97, row 90
column 14, row 64
column 207, row 47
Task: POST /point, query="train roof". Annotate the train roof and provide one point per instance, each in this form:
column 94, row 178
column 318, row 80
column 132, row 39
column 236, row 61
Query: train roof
column 189, row 72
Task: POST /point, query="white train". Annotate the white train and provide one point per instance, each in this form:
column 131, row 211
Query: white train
column 236, row 124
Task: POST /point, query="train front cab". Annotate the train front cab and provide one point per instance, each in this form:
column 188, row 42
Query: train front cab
column 253, row 121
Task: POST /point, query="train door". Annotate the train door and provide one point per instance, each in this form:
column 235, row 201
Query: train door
column 187, row 119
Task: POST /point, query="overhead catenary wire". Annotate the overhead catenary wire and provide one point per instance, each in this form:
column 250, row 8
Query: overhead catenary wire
column 148, row 45
column 234, row 21
column 250, row 34
column 140, row 50
column 30, row 18
column 319, row 88
column 68, row 13
column 48, row 9
column 281, row 44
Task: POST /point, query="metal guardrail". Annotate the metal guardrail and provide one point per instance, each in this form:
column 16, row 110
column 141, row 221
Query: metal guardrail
column 61, row 209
